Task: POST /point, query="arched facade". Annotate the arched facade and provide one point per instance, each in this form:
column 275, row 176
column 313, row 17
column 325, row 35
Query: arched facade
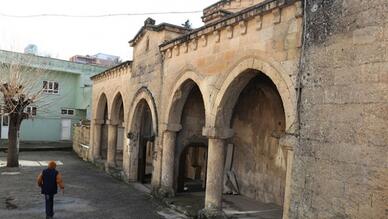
column 100, row 140
column 142, row 133
column 233, row 84
column 194, row 95
column 237, row 78
column 179, row 92
column 185, row 117
column 116, row 132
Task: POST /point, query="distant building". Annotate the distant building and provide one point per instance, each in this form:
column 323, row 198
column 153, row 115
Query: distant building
column 31, row 49
column 66, row 95
column 101, row 59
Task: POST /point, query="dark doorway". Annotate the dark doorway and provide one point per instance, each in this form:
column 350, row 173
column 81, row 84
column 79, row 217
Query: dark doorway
column 146, row 148
column 193, row 168
column 104, row 135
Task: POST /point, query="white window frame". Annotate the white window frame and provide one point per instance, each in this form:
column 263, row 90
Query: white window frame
column 30, row 111
column 67, row 112
column 49, row 87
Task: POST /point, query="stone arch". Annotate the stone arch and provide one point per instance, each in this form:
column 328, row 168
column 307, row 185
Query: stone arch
column 238, row 78
column 100, row 131
column 188, row 102
column 116, row 138
column 101, row 105
column 179, row 95
column 142, row 117
column 249, row 70
column 116, row 104
column 143, row 94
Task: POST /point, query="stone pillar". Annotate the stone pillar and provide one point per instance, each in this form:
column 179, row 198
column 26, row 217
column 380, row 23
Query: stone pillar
column 97, row 139
column 167, row 184
column 133, row 153
column 215, row 170
column 112, row 144
column 168, row 159
column 288, row 143
column 215, row 174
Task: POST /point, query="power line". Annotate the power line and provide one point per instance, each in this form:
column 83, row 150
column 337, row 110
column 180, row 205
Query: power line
column 98, row 15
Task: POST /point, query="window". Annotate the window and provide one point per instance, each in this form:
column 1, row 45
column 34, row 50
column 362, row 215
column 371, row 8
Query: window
column 69, row 112
column 5, row 120
column 50, row 87
column 31, row 110
column 147, row 47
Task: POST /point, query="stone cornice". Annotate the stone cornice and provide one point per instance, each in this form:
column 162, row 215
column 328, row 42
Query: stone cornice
column 215, row 7
column 157, row 28
column 219, row 14
column 117, row 71
column 226, row 23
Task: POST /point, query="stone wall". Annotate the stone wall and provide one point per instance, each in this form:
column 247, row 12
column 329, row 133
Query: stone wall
column 81, row 140
column 341, row 165
column 259, row 162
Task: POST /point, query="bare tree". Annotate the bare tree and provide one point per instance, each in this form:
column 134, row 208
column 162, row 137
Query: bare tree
column 17, row 92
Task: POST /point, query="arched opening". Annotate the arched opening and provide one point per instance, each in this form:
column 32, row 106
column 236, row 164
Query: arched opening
column 117, row 117
column 144, row 142
column 102, row 136
column 191, row 145
column 253, row 108
column 192, row 168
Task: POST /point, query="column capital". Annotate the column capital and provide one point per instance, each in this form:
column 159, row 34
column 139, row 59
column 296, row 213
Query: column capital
column 99, row 121
column 171, row 127
column 288, row 142
column 111, row 122
column 217, row 132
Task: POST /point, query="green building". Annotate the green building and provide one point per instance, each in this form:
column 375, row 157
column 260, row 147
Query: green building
column 65, row 96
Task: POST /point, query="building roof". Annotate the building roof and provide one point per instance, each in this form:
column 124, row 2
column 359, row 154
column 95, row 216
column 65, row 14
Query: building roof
column 121, row 65
column 149, row 24
column 48, row 63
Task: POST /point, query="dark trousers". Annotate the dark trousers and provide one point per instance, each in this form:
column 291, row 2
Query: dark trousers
column 49, row 205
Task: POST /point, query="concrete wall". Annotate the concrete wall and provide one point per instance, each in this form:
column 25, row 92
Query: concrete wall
column 340, row 168
column 46, row 126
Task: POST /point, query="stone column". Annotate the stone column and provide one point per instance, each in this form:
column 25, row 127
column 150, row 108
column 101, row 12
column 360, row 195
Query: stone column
column 156, row 175
column 97, row 139
column 215, row 170
column 215, row 174
column 133, row 153
column 288, row 143
column 112, row 144
column 167, row 183
column 168, row 159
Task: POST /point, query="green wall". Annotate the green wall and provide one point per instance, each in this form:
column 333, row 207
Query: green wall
column 74, row 92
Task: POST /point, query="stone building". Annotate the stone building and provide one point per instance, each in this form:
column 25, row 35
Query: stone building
column 284, row 98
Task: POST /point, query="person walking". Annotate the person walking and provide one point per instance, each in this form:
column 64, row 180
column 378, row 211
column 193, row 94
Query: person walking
column 49, row 180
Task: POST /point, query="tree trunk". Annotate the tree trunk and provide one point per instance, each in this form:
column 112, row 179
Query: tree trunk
column 13, row 143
